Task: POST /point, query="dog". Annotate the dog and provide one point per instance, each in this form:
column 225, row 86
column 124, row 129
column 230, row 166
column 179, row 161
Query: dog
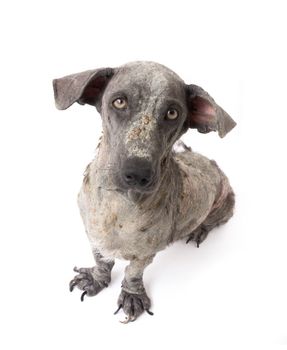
column 145, row 189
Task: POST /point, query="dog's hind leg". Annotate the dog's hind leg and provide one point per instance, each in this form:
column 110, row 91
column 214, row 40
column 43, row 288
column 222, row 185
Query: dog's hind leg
column 217, row 216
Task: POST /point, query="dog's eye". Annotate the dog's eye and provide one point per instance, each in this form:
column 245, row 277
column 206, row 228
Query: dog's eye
column 120, row 103
column 172, row 114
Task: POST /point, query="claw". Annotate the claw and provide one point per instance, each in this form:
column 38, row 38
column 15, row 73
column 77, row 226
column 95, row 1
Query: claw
column 83, row 295
column 190, row 238
column 129, row 319
column 72, row 285
column 198, row 243
column 149, row 312
column 118, row 309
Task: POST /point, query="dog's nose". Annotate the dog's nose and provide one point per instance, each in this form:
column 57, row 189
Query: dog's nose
column 137, row 173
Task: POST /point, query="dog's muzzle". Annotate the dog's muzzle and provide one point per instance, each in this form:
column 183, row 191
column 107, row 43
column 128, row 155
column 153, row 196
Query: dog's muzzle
column 137, row 174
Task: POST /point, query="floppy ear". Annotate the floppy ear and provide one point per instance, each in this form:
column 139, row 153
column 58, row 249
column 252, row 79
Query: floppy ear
column 85, row 87
column 204, row 114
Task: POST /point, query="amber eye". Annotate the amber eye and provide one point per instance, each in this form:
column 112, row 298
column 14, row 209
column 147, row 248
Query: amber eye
column 172, row 114
column 120, row 103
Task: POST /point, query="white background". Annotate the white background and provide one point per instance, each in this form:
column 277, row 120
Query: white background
column 229, row 293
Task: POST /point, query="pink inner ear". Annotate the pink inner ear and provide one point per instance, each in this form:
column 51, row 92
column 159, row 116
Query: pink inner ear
column 202, row 111
column 94, row 88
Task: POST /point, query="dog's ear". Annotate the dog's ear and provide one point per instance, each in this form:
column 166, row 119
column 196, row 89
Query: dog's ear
column 204, row 114
column 85, row 87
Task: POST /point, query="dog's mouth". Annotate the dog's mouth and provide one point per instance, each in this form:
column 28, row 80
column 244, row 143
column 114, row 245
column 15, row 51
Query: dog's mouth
column 142, row 187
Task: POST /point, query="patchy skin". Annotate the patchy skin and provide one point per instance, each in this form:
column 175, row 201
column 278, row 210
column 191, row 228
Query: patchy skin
column 138, row 135
column 189, row 194
column 141, row 129
column 163, row 221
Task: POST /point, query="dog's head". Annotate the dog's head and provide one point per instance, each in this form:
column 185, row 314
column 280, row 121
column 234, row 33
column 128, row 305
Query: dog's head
column 145, row 108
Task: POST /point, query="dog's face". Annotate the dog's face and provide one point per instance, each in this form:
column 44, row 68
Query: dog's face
column 145, row 108
column 144, row 112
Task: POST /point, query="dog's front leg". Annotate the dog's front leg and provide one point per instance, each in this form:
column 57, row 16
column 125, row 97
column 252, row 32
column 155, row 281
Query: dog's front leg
column 91, row 280
column 133, row 298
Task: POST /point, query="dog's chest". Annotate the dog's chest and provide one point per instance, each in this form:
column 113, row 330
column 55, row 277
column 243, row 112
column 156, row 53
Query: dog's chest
column 119, row 228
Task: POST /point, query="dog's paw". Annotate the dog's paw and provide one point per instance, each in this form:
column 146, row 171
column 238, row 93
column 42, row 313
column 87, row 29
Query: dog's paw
column 198, row 235
column 88, row 281
column 133, row 305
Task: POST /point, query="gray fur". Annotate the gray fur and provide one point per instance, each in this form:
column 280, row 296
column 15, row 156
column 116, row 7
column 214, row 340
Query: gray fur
column 184, row 195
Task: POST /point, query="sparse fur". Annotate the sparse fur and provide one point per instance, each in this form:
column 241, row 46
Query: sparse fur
column 187, row 194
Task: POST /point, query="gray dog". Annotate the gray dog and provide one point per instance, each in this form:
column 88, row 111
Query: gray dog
column 144, row 190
